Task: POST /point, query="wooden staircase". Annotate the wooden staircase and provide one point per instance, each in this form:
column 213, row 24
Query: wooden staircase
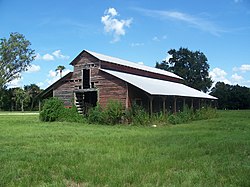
column 79, row 102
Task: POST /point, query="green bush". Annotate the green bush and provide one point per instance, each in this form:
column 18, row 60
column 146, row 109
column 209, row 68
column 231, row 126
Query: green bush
column 95, row 115
column 113, row 112
column 188, row 115
column 206, row 113
column 136, row 115
column 111, row 115
column 71, row 115
column 51, row 110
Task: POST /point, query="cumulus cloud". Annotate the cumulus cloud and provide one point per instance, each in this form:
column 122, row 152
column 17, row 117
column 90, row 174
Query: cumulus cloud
column 33, row 68
column 219, row 75
column 114, row 26
column 236, row 77
column 243, row 68
column 58, row 54
column 53, row 56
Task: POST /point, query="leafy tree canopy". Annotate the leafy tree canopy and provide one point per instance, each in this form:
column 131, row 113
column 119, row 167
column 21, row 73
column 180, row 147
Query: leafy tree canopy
column 231, row 96
column 15, row 57
column 191, row 66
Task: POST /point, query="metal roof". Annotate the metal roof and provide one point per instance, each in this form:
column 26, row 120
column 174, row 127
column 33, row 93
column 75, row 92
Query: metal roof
column 132, row 64
column 159, row 87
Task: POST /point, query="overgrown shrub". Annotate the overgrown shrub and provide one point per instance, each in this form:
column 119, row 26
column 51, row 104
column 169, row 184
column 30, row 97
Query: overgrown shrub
column 136, row 115
column 95, row 115
column 71, row 115
column 188, row 115
column 113, row 112
column 51, row 110
column 206, row 113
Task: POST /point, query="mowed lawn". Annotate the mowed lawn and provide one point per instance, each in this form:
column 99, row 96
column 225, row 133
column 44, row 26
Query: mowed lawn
column 212, row 152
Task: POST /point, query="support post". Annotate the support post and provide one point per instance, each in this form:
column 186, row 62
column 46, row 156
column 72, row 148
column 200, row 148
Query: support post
column 175, row 104
column 39, row 105
column 184, row 103
column 151, row 105
column 164, row 104
column 192, row 104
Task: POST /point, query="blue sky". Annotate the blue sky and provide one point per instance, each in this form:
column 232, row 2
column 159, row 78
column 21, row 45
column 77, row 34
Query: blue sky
column 139, row 31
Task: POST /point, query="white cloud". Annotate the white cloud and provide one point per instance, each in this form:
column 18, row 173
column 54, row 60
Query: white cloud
column 237, row 77
column 112, row 11
column 114, row 26
column 244, row 67
column 191, row 20
column 58, row 54
column 50, row 57
column 15, row 83
column 219, row 75
column 33, row 68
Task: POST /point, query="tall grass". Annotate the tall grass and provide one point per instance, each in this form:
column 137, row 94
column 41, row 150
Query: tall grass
column 212, row 152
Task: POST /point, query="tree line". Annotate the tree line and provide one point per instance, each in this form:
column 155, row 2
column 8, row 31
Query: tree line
column 20, row 99
column 231, row 96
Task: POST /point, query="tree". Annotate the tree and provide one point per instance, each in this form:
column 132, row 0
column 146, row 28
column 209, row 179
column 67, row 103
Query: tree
column 32, row 90
column 21, row 97
column 60, row 69
column 231, row 96
column 15, row 57
column 191, row 66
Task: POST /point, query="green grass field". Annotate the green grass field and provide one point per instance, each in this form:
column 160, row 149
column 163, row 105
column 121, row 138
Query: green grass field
column 212, row 152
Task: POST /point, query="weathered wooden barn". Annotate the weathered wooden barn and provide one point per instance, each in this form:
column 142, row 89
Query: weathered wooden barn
column 100, row 78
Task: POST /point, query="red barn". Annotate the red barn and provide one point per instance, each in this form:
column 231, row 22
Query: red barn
column 100, row 78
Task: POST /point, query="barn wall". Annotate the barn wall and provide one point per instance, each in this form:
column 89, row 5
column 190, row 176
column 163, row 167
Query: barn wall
column 108, row 86
column 65, row 92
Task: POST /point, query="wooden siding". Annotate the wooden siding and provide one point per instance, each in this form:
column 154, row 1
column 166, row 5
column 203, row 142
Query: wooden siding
column 108, row 86
column 65, row 92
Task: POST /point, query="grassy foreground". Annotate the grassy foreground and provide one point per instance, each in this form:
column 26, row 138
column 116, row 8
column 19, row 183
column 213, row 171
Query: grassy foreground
column 212, row 152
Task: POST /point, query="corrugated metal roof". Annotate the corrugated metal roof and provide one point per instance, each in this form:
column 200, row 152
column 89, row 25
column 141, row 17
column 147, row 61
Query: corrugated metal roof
column 132, row 64
column 159, row 87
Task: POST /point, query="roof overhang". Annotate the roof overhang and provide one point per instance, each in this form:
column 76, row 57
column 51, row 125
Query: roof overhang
column 159, row 87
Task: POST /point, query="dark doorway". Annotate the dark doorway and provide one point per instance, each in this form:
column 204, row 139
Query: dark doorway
column 86, row 78
column 90, row 100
